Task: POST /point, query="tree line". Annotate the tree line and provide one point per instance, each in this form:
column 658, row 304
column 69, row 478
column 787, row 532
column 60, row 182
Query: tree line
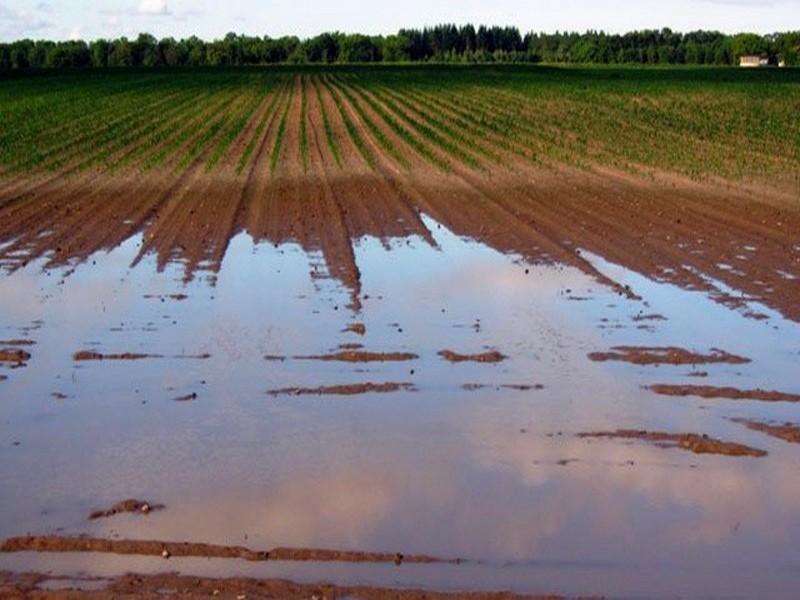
column 442, row 43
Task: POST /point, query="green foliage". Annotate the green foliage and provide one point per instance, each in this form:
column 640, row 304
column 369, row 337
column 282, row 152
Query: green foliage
column 731, row 123
column 445, row 43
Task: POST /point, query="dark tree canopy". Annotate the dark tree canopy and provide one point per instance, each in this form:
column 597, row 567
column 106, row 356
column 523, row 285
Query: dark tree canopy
column 442, row 43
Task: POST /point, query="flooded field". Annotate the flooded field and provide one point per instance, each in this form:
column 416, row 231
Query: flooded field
column 400, row 332
column 434, row 411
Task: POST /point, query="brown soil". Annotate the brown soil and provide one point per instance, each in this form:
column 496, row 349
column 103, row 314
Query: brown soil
column 178, row 297
column 788, row 432
column 131, row 505
column 186, row 398
column 666, row 227
column 14, row 355
column 731, row 393
column 357, row 328
column 153, row 587
column 91, row 355
column 168, row 549
column 357, row 356
column 492, row 356
column 84, row 355
column 648, row 355
column 521, row 387
column 693, row 442
column 17, row 343
column 352, row 389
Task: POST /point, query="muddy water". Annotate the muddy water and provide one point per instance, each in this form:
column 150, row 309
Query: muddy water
column 474, row 460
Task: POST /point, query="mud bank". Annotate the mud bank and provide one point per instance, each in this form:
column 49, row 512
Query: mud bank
column 788, row 432
column 354, row 356
column 169, row 549
column 728, row 393
column 693, row 442
column 492, row 356
column 153, row 587
column 353, row 389
column 14, row 356
column 131, row 505
column 670, row 355
column 88, row 355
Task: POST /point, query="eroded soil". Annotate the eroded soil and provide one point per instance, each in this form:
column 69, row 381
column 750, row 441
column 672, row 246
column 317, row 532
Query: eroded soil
column 788, row 432
column 645, row 355
column 154, row 587
column 492, row 356
column 131, row 505
column 728, row 393
column 693, row 442
column 170, row 549
column 352, row 389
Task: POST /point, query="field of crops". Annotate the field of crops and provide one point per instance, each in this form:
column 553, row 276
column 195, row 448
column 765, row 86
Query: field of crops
column 734, row 124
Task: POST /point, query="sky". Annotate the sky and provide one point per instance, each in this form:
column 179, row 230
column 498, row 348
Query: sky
column 209, row 19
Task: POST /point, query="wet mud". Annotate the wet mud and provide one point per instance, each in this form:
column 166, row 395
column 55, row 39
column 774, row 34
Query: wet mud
column 131, row 505
column 693, row 442
column 15, row 356
column 644, row 355
column 155, row 587
column 727, row 393
column 352, row 389
column 186, row 549
column 357, row 356
column 492, row 356
column 788, row 432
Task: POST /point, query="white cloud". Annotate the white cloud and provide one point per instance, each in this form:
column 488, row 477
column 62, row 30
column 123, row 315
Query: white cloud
column 153, row 7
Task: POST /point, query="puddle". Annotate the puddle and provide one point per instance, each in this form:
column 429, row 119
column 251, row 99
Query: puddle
column 472, row 459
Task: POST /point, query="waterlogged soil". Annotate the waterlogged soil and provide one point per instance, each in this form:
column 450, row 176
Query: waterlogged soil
column 155, row 587
column 492, row 356
column 788, row 432
column 183, row 549
column 352, row 389
column 493, row 351
column 666, row 356
column 693, row 442
column 130, row 505
column 728, row 393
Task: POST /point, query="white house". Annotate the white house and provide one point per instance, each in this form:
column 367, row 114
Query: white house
column 753, row 60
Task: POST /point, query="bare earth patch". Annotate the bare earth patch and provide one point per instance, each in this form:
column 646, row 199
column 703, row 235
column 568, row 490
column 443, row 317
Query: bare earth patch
column 730, row 393
column 168, row 549
column 352, row 389
column 357, row 356
column 788, row 432
column 26, row 585
column 127, row 506
column 357, row 328
column 693, row 442
column 14, row 355
column 492, row 356
column 520, row 387
column 85, row 355
column 669, row 355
